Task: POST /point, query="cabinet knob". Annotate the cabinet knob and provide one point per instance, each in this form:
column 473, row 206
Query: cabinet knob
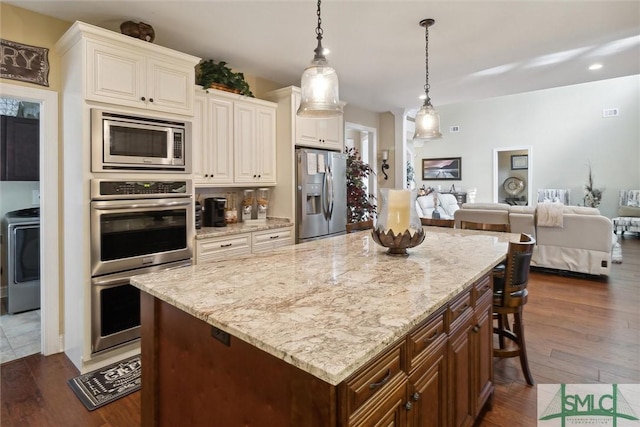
column 254, row 175
column 143, row 98
column 408, row 406
column 476, row 328
column 416, row 396
column 259, row 176
column 150, row 99
column 206, row 175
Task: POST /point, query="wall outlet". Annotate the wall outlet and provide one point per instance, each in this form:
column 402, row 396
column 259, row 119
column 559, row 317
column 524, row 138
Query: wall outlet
column 454, row 129
column 35, row 197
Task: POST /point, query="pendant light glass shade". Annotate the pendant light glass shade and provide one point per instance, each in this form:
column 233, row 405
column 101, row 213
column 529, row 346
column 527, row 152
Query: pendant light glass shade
column 427, row 123
column 427, row 120
column 319, row 84
column 319, row 91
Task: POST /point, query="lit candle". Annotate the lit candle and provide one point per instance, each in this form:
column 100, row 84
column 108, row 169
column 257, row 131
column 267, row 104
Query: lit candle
column 399, row 212
column 385, row 154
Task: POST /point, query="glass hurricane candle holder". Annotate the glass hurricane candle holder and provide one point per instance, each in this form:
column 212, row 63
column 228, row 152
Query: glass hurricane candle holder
column 398, row 225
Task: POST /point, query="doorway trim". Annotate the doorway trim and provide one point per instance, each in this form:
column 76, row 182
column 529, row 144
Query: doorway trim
column 529, row 150
column 373, row 150
column 50, row 337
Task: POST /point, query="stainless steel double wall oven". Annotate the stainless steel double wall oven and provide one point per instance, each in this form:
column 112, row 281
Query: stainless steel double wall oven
column 136, row 227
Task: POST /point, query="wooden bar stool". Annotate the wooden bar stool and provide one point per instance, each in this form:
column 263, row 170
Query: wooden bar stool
column 470, row 225
column 358, row 226
column 448, row 223
column 509, row 297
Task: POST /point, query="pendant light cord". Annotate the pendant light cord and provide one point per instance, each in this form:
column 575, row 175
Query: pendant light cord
column 319, row 28
column 427, row 100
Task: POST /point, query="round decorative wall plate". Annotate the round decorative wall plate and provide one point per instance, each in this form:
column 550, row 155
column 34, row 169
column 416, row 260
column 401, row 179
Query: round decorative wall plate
column 513, row 186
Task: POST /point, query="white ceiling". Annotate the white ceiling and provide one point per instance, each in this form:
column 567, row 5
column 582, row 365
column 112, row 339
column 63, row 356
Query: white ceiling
column 477, row 49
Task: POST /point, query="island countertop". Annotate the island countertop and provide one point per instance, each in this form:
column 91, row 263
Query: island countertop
column 329, row 306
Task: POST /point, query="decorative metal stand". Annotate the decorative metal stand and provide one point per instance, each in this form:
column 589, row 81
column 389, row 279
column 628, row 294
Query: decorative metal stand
column 397, row 244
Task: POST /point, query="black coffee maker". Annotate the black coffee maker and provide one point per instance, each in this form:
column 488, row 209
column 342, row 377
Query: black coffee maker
column 214, row 212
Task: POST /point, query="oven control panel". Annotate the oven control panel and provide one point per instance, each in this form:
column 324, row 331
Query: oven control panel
column 114, row 189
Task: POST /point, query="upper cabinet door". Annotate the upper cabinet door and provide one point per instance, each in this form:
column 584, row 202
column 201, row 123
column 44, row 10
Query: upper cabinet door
column 169, row 86
column 220, row 140
column 330, row 131
column 266, row 145
column 114, row 75
column 135, row 78
column 245, row 147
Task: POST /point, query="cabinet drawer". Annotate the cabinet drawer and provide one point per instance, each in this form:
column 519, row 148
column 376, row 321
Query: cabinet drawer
column 218, row 248
column 482, row 287
column 374, row 378
column 422, row 341
column 460, row 307
column 271, row 239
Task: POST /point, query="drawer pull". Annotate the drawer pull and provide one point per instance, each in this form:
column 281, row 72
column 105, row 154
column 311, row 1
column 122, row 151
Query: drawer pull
column 484, row 289
column 226, row 245
column 432, row 337
column 408, row 406
column 463, row 308
column 382, row 382
column 274, row 237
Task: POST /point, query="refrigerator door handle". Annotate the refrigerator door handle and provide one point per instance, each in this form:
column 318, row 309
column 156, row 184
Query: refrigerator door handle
column 325, row 196
column 330, row 192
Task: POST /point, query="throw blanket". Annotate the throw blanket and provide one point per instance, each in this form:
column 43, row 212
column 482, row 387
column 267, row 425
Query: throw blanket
column 550, row 214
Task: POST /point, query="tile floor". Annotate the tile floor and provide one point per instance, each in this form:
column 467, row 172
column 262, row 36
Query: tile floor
column 19, row 335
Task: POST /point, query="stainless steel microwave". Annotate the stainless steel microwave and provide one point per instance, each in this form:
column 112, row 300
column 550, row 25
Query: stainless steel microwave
column 121, row 142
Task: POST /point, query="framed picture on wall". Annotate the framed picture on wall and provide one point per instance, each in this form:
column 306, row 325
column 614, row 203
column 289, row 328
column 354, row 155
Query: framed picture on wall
column 445, row 168
column 520, row 161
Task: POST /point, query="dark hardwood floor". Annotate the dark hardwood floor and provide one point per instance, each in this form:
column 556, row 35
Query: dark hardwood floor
column 578, row 330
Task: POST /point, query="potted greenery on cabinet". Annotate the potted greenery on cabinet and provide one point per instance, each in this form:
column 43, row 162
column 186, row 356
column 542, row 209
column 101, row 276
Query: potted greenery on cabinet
column 360, row 203
column 216, row 75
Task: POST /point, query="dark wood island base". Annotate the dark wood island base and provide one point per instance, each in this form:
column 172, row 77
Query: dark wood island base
column 439, row 374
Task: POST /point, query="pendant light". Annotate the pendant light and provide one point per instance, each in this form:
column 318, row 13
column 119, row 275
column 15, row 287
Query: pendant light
column 427, row 120
column 319, row 84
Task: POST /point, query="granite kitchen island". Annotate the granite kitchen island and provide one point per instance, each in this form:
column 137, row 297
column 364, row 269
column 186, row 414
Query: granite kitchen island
column 332, row 332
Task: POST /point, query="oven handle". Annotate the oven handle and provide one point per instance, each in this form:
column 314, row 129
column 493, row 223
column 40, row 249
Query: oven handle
column 129, row 205
column 123, row 277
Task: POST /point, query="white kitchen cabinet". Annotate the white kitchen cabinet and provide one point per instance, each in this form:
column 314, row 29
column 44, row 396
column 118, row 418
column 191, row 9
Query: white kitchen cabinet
column 255, row 143
column 218, row 248
column 234, row 140
column 325, row 133
column 100, row 68
column 212, row 140
column 267, row 240
column 320, row 133
column 124, row 73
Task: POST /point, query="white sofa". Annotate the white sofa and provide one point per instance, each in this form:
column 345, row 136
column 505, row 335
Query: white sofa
column 447, row 205
column 583, row 243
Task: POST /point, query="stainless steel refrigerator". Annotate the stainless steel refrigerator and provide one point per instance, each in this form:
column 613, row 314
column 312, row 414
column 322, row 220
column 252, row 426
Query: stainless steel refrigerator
column 321, row 194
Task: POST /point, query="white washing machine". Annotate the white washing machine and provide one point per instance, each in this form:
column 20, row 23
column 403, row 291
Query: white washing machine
column 21, row 259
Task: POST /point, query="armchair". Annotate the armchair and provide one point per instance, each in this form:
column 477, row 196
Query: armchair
column 628, row 212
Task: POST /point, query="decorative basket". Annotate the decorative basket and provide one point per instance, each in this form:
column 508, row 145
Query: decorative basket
column 224, row 88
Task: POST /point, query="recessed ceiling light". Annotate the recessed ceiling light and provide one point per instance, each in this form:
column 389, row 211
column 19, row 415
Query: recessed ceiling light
column 595, row 66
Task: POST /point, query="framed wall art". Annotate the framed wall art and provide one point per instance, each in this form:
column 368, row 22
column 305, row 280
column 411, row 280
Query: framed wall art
column 445, row 168
column 520, row 161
